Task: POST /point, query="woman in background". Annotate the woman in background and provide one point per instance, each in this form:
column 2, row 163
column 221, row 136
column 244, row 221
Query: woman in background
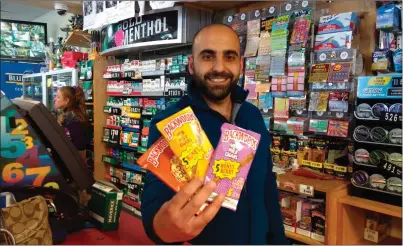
column 73, row 117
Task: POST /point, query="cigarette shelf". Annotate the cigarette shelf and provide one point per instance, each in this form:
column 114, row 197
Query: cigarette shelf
column 376, row 143
column 371, row 205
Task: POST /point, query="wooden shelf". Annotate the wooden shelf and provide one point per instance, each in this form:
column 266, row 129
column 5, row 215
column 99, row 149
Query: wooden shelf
column 290, row 182
column 379, row 207
column 386, row 241
column 302, row 238
column 79, row 38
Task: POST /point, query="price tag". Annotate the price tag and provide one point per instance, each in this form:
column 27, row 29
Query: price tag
column 392, row 169
column 129, row 74
column 390, row 117
column 174, row 93
column 306, row 189
column 135, row 110
column 115, row 75
column 116, row 111
column 114, row 136
column 115, row 180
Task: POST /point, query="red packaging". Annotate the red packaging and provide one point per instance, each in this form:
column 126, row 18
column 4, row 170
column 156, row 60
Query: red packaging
column 160, row 160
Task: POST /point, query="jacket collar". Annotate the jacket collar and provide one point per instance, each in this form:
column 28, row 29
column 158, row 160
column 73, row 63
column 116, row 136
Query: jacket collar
column 195, row 98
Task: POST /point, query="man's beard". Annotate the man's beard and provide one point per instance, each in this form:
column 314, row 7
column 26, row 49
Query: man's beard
column 215, row 92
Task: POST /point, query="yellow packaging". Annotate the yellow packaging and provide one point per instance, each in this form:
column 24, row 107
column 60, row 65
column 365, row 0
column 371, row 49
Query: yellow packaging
column 188, row 141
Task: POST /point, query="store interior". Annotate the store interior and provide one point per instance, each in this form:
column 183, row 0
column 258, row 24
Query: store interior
column 326, row 77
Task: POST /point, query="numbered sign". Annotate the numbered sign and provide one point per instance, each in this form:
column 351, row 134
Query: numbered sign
column 24, row 160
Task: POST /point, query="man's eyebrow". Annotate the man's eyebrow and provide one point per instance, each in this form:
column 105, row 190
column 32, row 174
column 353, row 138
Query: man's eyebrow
column 231, row 52
column 207, row 51
column 226, row 52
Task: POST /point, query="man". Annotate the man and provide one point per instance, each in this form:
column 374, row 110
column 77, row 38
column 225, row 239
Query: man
column 215, row 99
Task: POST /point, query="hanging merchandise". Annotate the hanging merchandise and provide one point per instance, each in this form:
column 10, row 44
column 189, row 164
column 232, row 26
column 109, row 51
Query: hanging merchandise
column 253, row 38
column 111, row 12
column 89, row 14
column 126, row 9
column 161, row 4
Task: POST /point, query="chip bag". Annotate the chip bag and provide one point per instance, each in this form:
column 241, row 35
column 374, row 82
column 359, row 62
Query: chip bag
column 231, row 162
column 160, row 160
column 188, row 141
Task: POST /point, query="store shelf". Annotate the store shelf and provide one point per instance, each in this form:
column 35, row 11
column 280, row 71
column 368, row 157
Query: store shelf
column 379, row 207
column 133, row 167
column 386, row 241
column 375, row 143
column 120, row 94
column 363, row 164
column 89, row 103
column 368, row 119
column 377, row 190
column 290, row 182
column 302, row 238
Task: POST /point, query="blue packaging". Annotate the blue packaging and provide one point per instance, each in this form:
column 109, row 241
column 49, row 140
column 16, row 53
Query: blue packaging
column 385, row 87
column 388, row 17
column 338, row 23
column 397, row 61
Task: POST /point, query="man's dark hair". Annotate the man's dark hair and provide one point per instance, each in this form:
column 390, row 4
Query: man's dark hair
column 208, row 26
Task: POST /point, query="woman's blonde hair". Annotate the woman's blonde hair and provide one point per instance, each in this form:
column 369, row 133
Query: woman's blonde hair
column 76, row 104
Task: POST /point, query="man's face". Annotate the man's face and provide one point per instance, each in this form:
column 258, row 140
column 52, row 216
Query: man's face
column 215, row 63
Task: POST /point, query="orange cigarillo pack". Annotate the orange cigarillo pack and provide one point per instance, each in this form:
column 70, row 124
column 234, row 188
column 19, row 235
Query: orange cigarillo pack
column 160, row 160
column 188, row 141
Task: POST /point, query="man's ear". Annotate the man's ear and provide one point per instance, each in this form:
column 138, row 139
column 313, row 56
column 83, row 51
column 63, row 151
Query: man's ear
column 191, row 64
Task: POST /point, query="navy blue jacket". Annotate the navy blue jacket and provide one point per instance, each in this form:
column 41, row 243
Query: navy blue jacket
column 257, row 219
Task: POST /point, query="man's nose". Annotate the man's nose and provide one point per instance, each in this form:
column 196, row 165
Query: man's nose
column 219, row 65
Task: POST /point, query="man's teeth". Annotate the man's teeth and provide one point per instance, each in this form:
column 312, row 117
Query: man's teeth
column 218, row 80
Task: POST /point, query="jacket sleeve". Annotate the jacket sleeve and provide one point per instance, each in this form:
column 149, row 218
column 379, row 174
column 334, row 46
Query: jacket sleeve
column 155, row 193
column 276, row 234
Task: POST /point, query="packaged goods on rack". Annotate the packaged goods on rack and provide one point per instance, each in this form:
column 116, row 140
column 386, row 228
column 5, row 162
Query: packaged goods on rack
column 303, row 215
column 377, row 227
column 378, row 138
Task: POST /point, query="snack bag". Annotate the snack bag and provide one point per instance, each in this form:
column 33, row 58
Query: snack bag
column 160, row 160
column 187, row 141
column 231, row 162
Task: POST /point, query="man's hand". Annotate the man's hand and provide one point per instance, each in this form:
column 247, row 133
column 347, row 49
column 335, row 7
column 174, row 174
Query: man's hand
column 176, row 221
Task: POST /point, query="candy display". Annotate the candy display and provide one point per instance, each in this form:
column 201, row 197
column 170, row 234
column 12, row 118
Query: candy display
column 230, row 163
column 187, row 141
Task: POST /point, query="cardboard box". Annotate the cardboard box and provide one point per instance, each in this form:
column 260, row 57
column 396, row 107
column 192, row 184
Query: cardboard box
column 334, row 40
column 338, row 23
column 105, row 205
column 377, row 227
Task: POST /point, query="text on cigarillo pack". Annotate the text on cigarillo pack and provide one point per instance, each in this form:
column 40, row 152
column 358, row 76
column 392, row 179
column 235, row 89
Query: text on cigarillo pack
column 184, row 152
column 160, row 160
column 231, row 161
column 188, row 141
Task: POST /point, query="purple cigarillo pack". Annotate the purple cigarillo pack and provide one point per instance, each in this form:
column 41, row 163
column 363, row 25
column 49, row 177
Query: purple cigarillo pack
column 231, row 162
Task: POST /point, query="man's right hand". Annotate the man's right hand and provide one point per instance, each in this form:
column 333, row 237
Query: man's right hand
column 176, row 221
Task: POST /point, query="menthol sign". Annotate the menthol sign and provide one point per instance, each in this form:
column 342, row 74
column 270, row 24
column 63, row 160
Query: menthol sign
column 151, row 29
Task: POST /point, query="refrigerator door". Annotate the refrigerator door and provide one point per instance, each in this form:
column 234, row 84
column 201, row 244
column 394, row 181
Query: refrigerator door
column 57, row 79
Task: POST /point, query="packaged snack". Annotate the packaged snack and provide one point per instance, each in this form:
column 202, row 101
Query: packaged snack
column 231, row 163
column 160, row 160
column 188, row 141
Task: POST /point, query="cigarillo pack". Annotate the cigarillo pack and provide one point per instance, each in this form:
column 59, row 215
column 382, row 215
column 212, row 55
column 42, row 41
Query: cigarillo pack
column 188, row 141
column 160, row 160
column 231, row 162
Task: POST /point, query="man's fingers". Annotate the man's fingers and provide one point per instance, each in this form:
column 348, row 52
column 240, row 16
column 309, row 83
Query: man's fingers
column 187, row 191
column 193, row 206
column 209, row 212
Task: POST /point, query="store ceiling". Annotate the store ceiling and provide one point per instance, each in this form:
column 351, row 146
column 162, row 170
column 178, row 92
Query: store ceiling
column 17, row 11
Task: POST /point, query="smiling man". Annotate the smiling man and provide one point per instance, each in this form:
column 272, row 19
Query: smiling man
column 215, row 99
